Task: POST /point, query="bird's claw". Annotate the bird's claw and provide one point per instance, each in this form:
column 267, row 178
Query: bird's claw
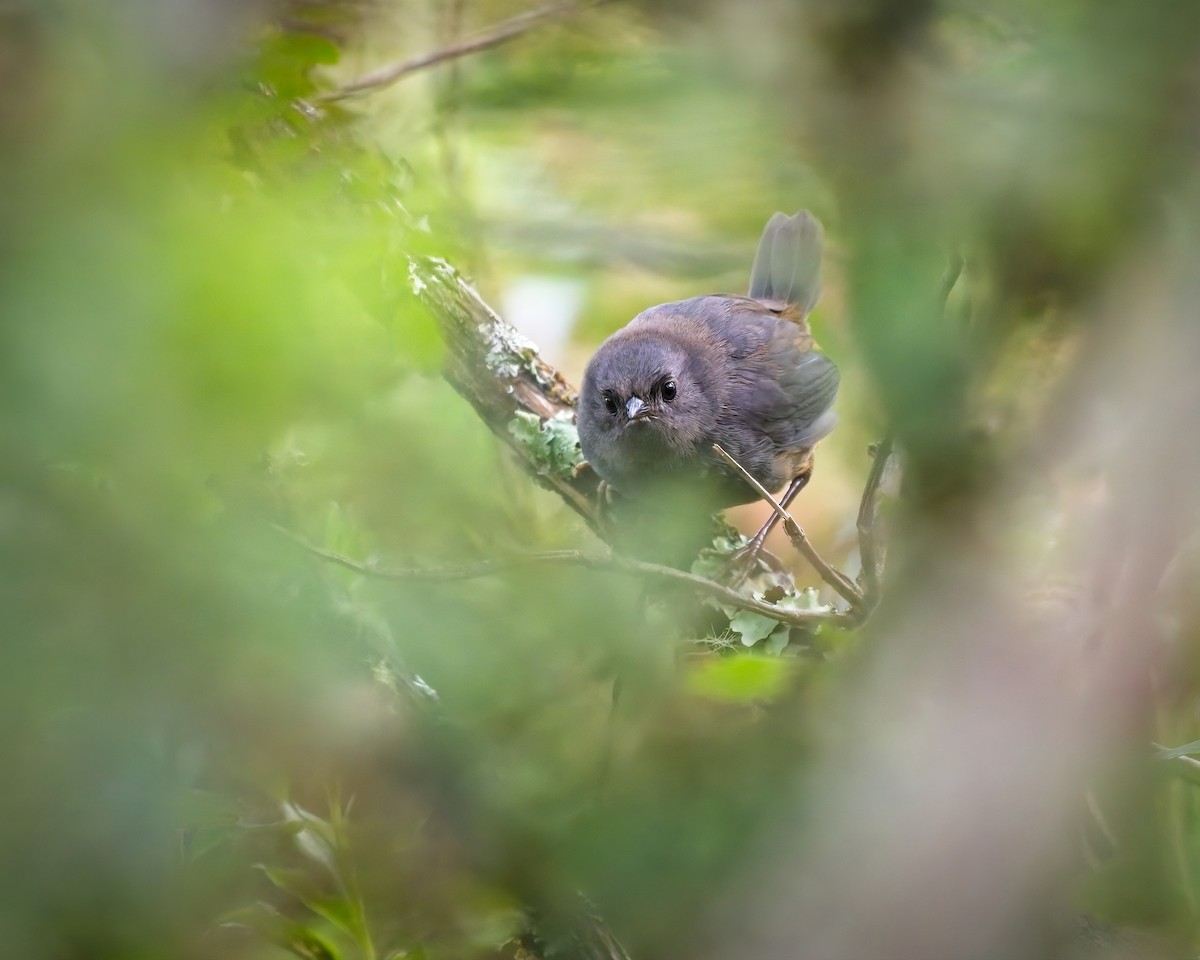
column 604, row 492
column 745, row 560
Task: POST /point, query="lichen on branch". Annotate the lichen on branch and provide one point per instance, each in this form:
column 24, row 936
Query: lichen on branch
column 523, row 400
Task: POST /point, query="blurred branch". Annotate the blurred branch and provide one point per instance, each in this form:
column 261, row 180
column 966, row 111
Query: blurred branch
column 871, row 548
column 600, row 243
column 498, row 34
column 606, row 562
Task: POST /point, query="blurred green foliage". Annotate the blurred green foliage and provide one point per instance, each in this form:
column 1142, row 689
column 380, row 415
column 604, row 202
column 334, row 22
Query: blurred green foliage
column 217, row 744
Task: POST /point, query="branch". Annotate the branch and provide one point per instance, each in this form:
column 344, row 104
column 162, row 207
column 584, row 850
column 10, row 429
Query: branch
column 500, row 33
column 871, row 550
column 606, row 562
column 522, row 399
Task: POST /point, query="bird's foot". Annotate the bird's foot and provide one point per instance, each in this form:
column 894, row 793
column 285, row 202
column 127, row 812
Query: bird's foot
column 603, row 492
column 584, row 469
column 748, row 559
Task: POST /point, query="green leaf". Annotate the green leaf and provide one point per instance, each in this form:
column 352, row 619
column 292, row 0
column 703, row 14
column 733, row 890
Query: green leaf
column 296, row 938
column 306, row 942
column 338, row 911
column 286, row 60
column 712, row 560
column 295, row 883
column 205, row 809
column 777, row 640
column 417, row 952
column 752, row 627
column 317, row 839
column 742, row 678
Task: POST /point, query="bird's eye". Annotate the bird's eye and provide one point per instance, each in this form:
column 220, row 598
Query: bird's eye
column 669, row 389
column 610, row 403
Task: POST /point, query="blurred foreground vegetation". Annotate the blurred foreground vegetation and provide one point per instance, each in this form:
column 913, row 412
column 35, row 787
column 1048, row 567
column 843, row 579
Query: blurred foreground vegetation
column 219, row 744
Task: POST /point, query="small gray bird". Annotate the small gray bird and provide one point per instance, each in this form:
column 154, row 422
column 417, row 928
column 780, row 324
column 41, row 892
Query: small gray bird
column 737, row 371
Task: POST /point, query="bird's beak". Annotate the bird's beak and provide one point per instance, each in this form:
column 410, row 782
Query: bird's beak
column 635, row 409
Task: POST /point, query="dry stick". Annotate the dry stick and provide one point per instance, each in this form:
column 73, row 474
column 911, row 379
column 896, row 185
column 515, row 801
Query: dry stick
column 501, row 33
column 868, row 517
column 606, row 562
column 799, row 539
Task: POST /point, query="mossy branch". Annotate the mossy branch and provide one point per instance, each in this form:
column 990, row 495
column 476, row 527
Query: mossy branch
column 523, row 400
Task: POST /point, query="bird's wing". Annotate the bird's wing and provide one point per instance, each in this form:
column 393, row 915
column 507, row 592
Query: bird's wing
column 811, row 386
column 789, row 387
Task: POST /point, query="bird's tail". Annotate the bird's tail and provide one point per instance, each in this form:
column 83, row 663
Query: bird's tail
column 788, row 263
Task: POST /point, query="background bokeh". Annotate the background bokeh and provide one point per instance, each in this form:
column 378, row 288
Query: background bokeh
column 216, row 743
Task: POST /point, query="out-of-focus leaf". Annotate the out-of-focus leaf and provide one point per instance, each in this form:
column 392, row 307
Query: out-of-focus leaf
column 317, row 839
column 777, row 640
column 207, row 808
column 741, row 678
column 309, row 944
column 294, row 882
column 297, row 938
column 287, row 59
column 338, row 911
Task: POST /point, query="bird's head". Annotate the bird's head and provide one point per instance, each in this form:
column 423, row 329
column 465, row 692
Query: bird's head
column 644, row 398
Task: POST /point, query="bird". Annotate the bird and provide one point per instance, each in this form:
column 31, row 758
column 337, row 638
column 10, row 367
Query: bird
column 739, row 371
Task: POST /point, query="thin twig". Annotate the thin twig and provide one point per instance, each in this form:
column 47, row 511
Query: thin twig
column 796, row 534
column 608, row 562
column 501, row 33
column 868, row 518
column 749, row 478
column 835, row 578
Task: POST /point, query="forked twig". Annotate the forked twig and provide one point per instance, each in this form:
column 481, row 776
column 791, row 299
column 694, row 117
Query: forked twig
column 796, row 534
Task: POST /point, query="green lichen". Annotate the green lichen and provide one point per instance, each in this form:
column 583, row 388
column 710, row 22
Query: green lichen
column 508, row 351
column 768, row 585
column 551, row 445
column 415, row 280
column 753, row 627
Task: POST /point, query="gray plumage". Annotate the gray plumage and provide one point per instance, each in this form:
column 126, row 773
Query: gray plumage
column 787, row 265
column 738, row 371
